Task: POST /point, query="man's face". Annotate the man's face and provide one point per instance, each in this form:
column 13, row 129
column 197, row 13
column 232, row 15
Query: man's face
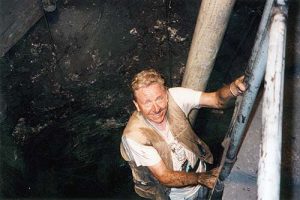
column 152, row 102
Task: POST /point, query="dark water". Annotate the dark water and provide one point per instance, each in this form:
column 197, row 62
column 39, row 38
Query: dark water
column 65, row 98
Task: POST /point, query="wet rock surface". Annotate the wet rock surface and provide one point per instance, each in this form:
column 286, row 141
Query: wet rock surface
column 65, row 97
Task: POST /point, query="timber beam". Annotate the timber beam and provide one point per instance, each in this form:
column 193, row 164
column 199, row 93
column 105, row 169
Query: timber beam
column 17, row 17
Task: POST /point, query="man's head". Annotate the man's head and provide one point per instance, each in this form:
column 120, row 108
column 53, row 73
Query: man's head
column 150, row 95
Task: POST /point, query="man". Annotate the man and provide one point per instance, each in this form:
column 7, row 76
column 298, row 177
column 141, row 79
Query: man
column 166, row 157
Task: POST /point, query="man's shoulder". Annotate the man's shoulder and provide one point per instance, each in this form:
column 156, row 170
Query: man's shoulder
column 180, row 92
column 137, row 136
column 135, row 129
column 175, row 89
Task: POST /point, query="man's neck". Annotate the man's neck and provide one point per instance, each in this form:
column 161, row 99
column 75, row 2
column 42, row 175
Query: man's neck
column 160, row 126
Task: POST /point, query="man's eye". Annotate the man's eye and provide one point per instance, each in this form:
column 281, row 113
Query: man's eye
column 159, row 99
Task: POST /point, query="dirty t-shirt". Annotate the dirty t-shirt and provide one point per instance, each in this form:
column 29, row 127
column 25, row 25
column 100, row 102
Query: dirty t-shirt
column 182, row 158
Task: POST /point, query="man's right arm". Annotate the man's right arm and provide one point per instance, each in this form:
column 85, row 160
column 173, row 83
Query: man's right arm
column 177, row 179
column 221, row 97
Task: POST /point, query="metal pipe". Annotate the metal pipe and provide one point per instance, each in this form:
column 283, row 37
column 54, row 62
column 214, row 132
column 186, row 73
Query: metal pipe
column 270, row 152
column 254, row 75
column 236, row 131
column 49, row 5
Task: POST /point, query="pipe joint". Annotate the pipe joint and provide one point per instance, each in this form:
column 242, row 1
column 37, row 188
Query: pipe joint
column 231, row 160
column 280, row 10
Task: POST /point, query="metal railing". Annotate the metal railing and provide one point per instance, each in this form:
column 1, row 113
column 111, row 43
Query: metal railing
column 270, row 151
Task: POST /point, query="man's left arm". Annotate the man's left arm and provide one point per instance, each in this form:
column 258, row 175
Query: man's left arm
column 179, row 179
column 221, row 97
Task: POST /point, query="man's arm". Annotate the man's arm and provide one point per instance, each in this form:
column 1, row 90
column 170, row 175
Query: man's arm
column 172, row 178
column 221, row 97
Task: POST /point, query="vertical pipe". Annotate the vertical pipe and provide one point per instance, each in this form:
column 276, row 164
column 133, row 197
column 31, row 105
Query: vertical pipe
column 211, row 24
column 270, row 151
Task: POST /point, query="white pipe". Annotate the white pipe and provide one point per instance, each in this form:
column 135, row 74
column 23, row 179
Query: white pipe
column 270, row 150
column 281, row 2
column 210, row 27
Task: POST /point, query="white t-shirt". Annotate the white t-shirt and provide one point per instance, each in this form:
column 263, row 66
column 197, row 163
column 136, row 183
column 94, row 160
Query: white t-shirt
column 182, row 158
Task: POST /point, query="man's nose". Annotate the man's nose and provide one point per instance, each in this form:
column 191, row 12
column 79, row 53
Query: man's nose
column 156, row 107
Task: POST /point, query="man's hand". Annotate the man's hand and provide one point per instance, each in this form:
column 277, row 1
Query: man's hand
column 179, row 179
column 208, row 178
column 238, row 86
column 221, row 98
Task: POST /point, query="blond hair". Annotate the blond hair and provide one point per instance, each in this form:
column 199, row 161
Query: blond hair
column 146, row 78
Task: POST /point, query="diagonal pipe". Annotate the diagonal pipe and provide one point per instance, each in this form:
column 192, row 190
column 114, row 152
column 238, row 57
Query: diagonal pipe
column 244, row 104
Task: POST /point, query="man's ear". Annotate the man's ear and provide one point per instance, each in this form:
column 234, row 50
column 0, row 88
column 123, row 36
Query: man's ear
column 137, row 106
column 167, row 98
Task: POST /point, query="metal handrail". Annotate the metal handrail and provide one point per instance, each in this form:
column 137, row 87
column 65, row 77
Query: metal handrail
column 268, row 181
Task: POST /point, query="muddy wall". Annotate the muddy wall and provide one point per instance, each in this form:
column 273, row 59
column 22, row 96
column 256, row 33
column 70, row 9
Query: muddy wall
column 65, row 97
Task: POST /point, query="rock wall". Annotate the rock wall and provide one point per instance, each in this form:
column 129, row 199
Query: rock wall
column 65, row 97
